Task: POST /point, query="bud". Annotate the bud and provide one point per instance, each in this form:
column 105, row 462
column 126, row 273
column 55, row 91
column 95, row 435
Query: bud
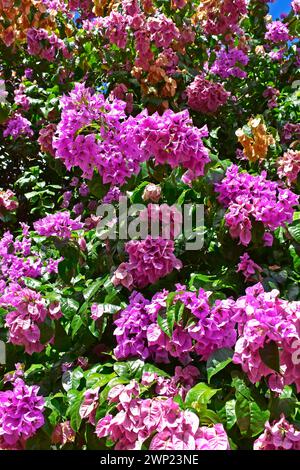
column 152, row 192
column 259, row 50
column 268, row 18
column 82, row 243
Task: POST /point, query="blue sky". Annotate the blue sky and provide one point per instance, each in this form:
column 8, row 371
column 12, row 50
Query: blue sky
column 280, row 6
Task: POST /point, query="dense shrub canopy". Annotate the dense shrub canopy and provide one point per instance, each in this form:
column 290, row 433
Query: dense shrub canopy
column 144, row 343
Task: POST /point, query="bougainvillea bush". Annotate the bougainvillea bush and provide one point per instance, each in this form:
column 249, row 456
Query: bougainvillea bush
column 143, row 342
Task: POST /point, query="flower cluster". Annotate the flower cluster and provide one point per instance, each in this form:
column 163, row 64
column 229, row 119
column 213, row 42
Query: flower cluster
column 17, row 258
column 120, row 92
column 22, row 16
column 17, row 126
column 123, row 144
column 132, row 325
column 46, row 46
column 167, row 220
column 290, row 131
column 171, row 138
column 180, row 383
column 139, row 334
column 85, row 7
column 63, row 433
column 59, row 225
column 277, row 32
column 112, row 195
column 56, row 5
column 254, row 198
column 21, row 99
column 8, row 201
column 89, row 405
column 221, row 16
column 157, row 40
column 228, row 63
column 206, row 96
column 296, row 6
column 21, row 413
column 45, row 139
column 255, row 145
column 163, row 31
column 15, row 374
column 280, row 435
column 248, row 267
column 265, row 319
column 149, row 260
column 289, row 166
column 277, row 54
column 29, row 311
column 137, row 419
column 115, row 25
column 271, row 94
column 213, row 327
column 91, row 135
column 79, row 110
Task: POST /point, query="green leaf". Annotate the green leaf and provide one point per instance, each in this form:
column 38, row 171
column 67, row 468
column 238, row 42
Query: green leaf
column 207, row 417
column 258, row 419
column 69, row 307
column 66, row 270
column 32, row 283
column 98, row 380
column 47, row 329
column 170, row 299
column 163, row 323
column 242, row 411
column 4, row 112
column 286, row 403
column 201, row 394
column 71, row 379
column 110, row 308
column 294, row 230
column 201, row 280
column 93, row 288
column 96, row 186
column 40, row 441
column 240, row 386
column 181, row 313
column 251, row 413
column 270, row 355
column 129, row 369
column 76, row 324
column 56, row 404
column 33, row 369
column 230, row 415
column 183, row 196
column 167, row 319
column 171, row 318
column 294, row 27
column 73, row 410
column 218, row 361
column 62, row 340
column 154, row 369
column 296, row 259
